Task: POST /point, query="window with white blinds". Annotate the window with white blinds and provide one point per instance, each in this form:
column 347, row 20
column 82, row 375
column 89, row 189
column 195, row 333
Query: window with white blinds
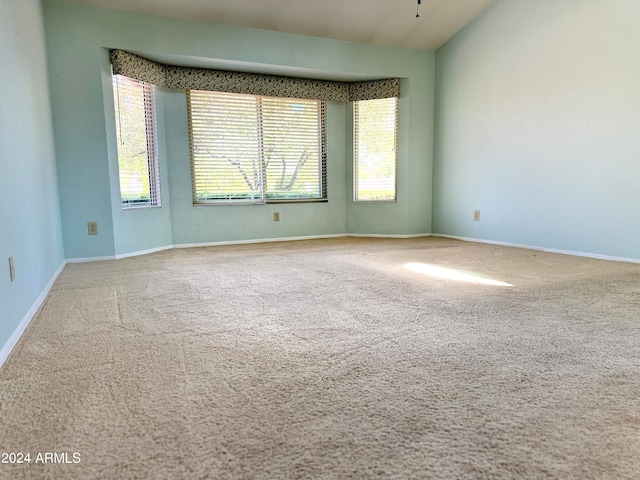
column 255, row 149
column 136, row 135
column 375, row 156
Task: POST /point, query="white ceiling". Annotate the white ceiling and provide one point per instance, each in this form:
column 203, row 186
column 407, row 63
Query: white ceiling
column 386, row 22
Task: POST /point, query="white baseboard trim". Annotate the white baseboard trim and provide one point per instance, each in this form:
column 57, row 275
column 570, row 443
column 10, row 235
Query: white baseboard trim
column 357, row 235
column 258, row 240
column 378, row 235
column 143, row 252
column 24, row 323
column 243, row 242
column 90, row 259
column 542, row 249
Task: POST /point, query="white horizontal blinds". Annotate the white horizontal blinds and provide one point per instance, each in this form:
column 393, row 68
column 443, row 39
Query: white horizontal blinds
column 292, row 148
column 375, row 139
column 136, row 137
column 225, row 147
column 247, row 148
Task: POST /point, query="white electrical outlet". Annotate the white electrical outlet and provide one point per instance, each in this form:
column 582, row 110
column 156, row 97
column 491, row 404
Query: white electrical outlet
column 12, row 269
column 476, row 215
column 276, row 216
column 92, row 228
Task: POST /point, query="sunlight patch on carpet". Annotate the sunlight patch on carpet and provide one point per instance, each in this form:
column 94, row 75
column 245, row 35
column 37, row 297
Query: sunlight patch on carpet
column 450, row 274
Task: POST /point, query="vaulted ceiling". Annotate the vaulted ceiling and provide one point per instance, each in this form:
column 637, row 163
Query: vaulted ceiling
column 385, row 22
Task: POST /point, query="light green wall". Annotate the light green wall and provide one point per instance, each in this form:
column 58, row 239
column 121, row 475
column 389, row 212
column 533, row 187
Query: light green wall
column 78, row 39
column 538, row 108
column 204, row 224
column 155, row 222
column 29, row 214
column 412, row 213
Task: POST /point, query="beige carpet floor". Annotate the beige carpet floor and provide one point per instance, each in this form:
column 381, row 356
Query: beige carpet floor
column 331, row 359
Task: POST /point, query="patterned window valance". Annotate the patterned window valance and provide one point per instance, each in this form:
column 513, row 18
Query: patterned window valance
column 169, row 76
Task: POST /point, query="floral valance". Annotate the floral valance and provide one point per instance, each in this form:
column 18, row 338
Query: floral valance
column 170, row 76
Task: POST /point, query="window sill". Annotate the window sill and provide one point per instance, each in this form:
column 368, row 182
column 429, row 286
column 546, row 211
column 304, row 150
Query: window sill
column 139, row 207
column 226, row 203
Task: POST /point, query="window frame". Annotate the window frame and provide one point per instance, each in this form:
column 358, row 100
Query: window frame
column 263, row 197
column 356, row 152
column 151, row 139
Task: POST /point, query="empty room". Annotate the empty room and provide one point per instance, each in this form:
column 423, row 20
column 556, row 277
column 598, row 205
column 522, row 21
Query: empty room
column 300, row 239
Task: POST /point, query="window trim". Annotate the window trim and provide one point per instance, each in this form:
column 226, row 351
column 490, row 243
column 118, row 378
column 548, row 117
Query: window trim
column 151, row 137
column 263, row 199
column 355, row 154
